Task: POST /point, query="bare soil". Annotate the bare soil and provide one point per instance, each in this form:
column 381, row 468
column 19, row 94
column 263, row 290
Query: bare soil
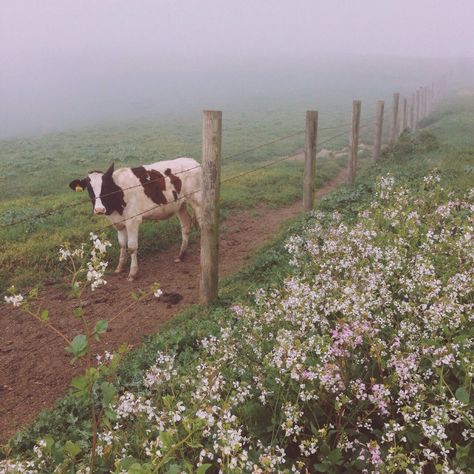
column 34, row 368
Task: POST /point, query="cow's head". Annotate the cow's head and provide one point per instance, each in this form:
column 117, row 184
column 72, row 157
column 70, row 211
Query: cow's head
column 105, row 195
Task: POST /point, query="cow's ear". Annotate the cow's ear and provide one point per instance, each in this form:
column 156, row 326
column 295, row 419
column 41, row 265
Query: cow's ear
column 78, row 185
column 110, row 170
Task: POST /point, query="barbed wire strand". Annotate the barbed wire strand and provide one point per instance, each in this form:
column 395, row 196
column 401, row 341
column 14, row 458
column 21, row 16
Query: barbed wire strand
column 51, row 212
column 231, row 178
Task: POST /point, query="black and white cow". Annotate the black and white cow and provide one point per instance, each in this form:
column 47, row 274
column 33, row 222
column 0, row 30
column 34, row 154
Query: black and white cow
column 157, row 191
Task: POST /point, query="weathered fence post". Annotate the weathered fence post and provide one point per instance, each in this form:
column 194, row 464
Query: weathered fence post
column 425, row 101
column 210, row 188
column 418, row 111
column 428, row 100
column 404, row 115
column 396, row 100
column 356, row 104
column 310, row 159
column 412, row 112
column 378, row 130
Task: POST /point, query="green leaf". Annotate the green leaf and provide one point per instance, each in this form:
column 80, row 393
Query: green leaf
column 335, row 455
column 137, row 468
column 78, row 346
column 100, row 328
column 320, row 467
column 203, row 468
column 462, row 395
column 73, row 449
column 80, row 385
column 108, row 393
column 173, row 469
column 44, row 316
column 413, row 435
column 110, row 415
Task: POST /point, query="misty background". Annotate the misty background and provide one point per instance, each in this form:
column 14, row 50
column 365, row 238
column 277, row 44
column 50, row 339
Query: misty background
column 77, row 63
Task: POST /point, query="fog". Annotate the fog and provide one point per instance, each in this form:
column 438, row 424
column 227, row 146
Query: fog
column 76, row 63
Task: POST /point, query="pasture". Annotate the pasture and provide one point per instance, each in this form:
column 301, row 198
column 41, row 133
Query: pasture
column 35, row 173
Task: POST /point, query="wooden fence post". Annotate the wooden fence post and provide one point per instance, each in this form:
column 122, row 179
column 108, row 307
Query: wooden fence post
column 310, row 159
column 378, row 130
column 428, row 100
column 404, row 115
column 418, row 111
column 412, row 112
column 356, row 105
column 423, row 102
column 396, row 100
column 210, row 188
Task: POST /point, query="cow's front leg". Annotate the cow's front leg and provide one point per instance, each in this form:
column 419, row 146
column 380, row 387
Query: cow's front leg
column 132, row 243
column 123, row 240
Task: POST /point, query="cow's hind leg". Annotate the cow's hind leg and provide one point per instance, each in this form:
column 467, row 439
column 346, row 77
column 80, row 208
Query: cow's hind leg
column 195, row 203
column 186, row 222
column 123, row 241
column 132, row 243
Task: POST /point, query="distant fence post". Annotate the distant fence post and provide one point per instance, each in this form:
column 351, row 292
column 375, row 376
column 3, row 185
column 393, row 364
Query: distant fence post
column 310, row 159
column 378, row 130
column 428, row 100
column 356, row 105
column 423, row 102
column 412, row 111
column 418, row 111
column 210, row 188
column 404, row 115
column 396, row 100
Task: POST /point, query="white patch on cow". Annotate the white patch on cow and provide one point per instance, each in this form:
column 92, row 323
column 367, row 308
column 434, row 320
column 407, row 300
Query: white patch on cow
column 96, row 185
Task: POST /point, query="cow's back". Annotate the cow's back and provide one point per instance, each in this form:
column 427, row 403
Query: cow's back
column 158, row 190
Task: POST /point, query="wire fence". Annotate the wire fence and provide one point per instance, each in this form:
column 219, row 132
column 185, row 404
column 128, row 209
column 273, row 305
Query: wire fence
column 343, row 130
column 51, row 212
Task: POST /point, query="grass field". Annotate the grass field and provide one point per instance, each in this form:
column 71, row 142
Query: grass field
column 35, row 173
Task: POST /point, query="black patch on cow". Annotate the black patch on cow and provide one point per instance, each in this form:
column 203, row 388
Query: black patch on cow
column 153, row 183
column 175, row 181
column 78, row 182
column 111, row 195
column 175, row 195
column 84, row 184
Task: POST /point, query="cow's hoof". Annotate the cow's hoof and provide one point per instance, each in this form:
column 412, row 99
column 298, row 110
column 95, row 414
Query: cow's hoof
column 131, row 278
column 178, row 260
column 118, row 270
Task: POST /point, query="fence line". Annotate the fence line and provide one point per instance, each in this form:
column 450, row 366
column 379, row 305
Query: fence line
column 54, row 211
column 51, row 212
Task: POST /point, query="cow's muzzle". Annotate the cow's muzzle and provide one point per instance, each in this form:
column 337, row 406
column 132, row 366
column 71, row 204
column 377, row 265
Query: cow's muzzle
column 99, row 210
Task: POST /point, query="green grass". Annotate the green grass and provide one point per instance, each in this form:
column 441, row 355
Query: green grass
column 35, row 174
column 448, row 149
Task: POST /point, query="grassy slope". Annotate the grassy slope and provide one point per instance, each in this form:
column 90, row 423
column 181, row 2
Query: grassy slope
column 451, row 125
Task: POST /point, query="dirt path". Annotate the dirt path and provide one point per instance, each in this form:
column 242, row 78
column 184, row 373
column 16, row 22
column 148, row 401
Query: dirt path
column 34, row 368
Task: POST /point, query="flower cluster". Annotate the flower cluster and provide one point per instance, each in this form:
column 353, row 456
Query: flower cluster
column 15, row 300
column 361, row 360
column 96, row 266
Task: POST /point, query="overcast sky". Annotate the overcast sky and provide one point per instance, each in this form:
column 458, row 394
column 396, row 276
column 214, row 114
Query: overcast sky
column 53, row 51
column 237, row 27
